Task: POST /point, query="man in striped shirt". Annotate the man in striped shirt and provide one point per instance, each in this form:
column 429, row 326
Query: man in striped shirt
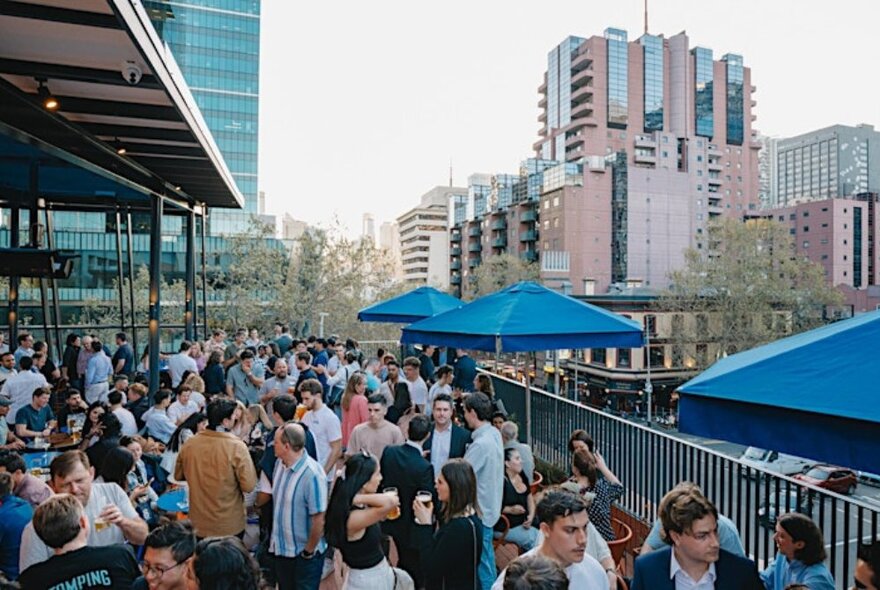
column 299, row 491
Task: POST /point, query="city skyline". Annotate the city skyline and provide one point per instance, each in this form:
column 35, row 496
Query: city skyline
column 370, row 121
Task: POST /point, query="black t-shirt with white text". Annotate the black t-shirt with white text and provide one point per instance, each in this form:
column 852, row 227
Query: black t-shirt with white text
column 88, row 568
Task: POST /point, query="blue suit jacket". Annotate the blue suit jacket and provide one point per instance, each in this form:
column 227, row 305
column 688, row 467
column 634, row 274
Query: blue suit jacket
column 465, row 373
column 731, row 572
column 460, row 439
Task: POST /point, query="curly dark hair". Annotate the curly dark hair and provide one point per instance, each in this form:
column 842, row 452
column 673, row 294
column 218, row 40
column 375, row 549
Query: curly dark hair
column 224, row 563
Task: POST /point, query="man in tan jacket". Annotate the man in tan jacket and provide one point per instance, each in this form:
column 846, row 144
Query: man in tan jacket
column 218, row 470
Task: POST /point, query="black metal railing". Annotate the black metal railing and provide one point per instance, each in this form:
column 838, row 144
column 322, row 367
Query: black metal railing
column 649, row 462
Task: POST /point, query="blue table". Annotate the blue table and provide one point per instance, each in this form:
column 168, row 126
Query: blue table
column 173, row 501
column 33, row 460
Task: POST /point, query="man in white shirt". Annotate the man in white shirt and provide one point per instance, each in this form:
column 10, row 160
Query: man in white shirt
column 7, row 366
column 112, row 518
column 183, row 407
column 180, row 363
column 563, row 517
column 126, row 418
column 418, row 390
column 323, row 424
column 20, row 387
column 443, row 384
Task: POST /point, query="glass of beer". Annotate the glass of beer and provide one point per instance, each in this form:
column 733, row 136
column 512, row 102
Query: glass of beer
column 300, row 412
column 71, row 424
column 101, row 524
column 395, row 512
column 424, row 497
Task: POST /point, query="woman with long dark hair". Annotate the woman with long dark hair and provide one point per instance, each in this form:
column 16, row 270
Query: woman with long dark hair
column 517, row 503
column 800, row 555
column 117, row 464
column 354, row 405
column 451, row 555
column 352, row 524
column 91, row 431
column 215, row 378
column 193, row 425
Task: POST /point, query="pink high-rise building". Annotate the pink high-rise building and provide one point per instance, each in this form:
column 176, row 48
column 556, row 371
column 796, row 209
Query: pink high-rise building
column 652, row 138
column 664, row 133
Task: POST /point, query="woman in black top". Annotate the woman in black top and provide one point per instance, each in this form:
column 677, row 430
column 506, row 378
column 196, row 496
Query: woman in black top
column 517, row 503
column 352, row 525
column 451, row 555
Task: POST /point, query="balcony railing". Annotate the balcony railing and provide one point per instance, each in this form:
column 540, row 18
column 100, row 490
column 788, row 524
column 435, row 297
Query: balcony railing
column 499, row 224
column 528, row 236
column 475, row 231
column 650, row 462
column 527, row 216
column 500, row 242
column 475, row 248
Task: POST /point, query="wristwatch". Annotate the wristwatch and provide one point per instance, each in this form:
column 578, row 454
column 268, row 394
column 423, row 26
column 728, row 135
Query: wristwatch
column 307, row 554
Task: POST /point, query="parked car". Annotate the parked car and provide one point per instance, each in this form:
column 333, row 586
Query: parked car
column 872, row 479
column 769, row 510
column 831, row 477
column 775, row 461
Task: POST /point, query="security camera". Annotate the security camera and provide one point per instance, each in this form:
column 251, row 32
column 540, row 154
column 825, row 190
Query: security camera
column 131, row 72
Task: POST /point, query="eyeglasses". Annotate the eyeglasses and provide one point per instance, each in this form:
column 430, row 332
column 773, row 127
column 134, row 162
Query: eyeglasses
column 158, row 570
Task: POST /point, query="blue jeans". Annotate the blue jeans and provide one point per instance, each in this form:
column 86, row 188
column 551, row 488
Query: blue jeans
column 525, row 538
column 298, row 573
column 486, row 570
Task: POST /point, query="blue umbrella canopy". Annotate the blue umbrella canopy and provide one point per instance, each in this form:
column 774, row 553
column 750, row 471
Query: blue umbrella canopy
column 526, row 317
column 812, row 395
column 410, row 307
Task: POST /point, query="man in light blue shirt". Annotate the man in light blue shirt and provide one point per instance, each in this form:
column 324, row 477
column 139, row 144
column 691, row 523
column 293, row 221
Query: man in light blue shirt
column 156, row 419
column 486, row 456
column 98, row 372
column 299, row 491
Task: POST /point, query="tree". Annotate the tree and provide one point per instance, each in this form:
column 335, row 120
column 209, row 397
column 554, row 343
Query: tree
column 746, row 289
column 497, row 272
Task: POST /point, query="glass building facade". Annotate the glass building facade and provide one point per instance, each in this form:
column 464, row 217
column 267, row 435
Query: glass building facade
column 618, row 91
column 653, row 55
column 559, row 89
column 703, row 85
column 216, row 43
column 735, row 124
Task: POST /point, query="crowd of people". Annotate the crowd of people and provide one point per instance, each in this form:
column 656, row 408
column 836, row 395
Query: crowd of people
column 289, row 459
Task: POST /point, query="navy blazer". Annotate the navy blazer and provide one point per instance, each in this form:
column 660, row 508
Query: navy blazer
column 731, row 572
column 404, row 468
column 458, row 444
column 465, row 372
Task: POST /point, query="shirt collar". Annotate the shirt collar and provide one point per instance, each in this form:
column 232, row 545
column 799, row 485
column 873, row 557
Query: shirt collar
column 414, row 445
column 675, row 567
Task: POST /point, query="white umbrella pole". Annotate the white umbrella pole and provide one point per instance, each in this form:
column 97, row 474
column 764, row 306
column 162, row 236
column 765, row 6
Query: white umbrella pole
column 577, row 397
column 649, row 388
column 528, row 423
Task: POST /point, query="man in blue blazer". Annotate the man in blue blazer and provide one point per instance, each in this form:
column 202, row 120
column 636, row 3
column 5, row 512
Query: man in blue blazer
column 446, row 441
column 465, row 371
column 695, row 558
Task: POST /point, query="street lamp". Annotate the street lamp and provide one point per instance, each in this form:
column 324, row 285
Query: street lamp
column 322, row 315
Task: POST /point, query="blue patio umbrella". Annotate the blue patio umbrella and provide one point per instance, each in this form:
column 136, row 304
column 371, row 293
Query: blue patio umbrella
column 527, row 317
column 410, row 307
column 813, row 395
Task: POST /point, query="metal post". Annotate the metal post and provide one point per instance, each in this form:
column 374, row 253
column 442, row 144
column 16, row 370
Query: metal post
column 156, row 209
column 130, row 244
column 14, row 281
column 119, row 279
column 50, row 241
column 204, row 273
column 189, row 314
column 36, row 243
column 577, row 396
column 649, row 388
column 528, row 424
column 556, row 379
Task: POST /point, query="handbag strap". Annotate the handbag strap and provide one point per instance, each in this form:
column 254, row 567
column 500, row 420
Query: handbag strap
column 476, row 561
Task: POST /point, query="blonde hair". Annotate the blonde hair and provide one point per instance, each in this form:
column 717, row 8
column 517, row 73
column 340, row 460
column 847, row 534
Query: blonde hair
column 195, row 383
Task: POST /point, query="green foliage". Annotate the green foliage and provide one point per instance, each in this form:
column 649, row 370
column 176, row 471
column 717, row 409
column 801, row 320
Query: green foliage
column 498, row 272
column 750, row 288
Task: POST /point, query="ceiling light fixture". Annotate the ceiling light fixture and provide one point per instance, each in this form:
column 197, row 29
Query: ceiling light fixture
column 50, row 103
column 119, row 147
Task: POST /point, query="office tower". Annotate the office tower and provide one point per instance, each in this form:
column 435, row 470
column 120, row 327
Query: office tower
column 216, row 44
column 368, row 228
column 837, row 161
column 424, row 241
column 663, row 134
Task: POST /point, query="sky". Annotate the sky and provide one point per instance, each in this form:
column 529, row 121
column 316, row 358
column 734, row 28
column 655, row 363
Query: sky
column 364, row 104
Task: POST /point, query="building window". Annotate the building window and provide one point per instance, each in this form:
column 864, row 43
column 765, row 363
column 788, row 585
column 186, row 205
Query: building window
column 653, row 83
column 618, row 90
column 735, row 119
column 651, row 325
column 806, row 228
column 703, row 83
column 597, row 356
column 656, row 357
column 624, row 358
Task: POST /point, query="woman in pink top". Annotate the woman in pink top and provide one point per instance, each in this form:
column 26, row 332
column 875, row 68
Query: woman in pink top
column 354, row 405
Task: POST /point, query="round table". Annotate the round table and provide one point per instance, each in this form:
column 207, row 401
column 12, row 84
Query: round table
column 34, row 458
column 173, row 501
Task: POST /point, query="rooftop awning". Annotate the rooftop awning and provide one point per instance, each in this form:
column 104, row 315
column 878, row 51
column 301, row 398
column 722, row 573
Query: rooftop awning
column 89, row 56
